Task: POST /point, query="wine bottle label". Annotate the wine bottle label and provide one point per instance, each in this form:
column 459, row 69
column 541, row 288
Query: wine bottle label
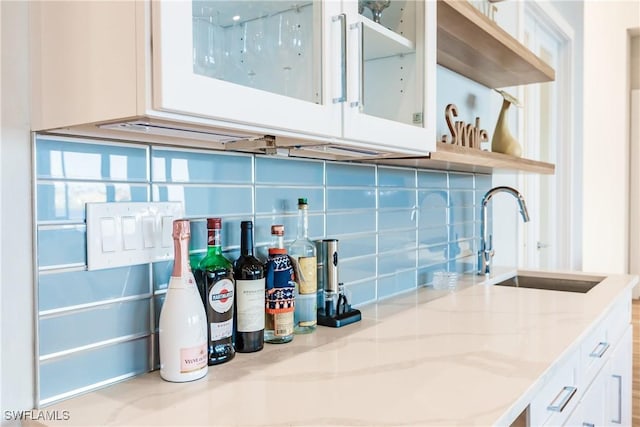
column 306, row 309
column 307, row 277
column 193, row 358
column 250, row 305
column 280, row 291
column 283, row 324
column 221, row 330
column 221, row 296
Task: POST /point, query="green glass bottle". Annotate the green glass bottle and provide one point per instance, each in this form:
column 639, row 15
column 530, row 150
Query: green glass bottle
column 214, row 275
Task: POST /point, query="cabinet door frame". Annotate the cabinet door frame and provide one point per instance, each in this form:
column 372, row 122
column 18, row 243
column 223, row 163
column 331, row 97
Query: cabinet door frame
column 177, row 89
column 391, row 134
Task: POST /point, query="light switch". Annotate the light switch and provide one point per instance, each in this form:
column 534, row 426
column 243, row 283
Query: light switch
column 148, row 231
column 167, row 231
column 129, row 233
column 108, row 234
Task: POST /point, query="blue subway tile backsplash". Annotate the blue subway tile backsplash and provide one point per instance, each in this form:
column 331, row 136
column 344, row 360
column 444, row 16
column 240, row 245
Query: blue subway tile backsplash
column 396, row 226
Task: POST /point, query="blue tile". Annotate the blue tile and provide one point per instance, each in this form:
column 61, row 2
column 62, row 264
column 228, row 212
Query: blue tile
column 285, row 199
column 462, row 230
column 397, row 283
column 157, row 308
column 356, row 246
column 64, row 201
column 433, row 235
column 199, row 234
column 79, row 370
column 356, row 269
column 392, row 262
column 432, row 254
column 348, row 199
column 466, row 248
column 428, row 218
column 483, row 182
column 396, row 240
column 362, row 292
column 202, row 201
column 271, row 170
column 431, row 199
column 458, row 215
column 397, row 219
column 436, row 180
column 62, row 246
column 80, row 287
column 461, row 180
column 64, row 332
column 77, row 160
column 393, row 198
column 393, row 177
column 200, row 167
column 461, row 198
column 349, row 223
column 161, row 274
column 350, row 175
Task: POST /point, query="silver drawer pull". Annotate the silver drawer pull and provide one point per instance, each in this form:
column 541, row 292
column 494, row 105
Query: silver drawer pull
column 562, row 398
column 588, row 425
column 619, row 379
column 600, row 349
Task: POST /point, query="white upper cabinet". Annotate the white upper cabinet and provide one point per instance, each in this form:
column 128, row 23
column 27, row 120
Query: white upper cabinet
column 307, row 72
column 263, row 63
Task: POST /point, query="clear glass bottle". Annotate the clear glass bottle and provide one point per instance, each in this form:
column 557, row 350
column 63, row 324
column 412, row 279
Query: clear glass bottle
column 305, row 265
column 280, row 292
column 214, row 275
column 183, row 322
column 250, row 288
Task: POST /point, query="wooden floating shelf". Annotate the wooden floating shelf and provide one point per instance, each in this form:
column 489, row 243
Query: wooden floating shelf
column 464, row 159
column 381, row 42
column 470, row 44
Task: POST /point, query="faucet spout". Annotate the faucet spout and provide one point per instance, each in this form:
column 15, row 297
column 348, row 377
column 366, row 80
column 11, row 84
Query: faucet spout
column 486, row 253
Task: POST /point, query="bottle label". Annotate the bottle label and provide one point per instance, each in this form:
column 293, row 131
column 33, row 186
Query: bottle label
column 306, row 310
column 193, row 358
column 221, row 330
column 307, row 275
column 250, row 305
column 280, row 291
column 283, row 324
column 221, row 296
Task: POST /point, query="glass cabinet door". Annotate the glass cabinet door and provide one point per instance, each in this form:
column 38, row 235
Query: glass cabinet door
column 391, row 75
column 271, row 46
column 266, row 63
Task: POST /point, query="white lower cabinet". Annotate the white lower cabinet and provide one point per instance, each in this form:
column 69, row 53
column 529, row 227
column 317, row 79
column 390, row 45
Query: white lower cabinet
column 591, row 386
column 619, row 383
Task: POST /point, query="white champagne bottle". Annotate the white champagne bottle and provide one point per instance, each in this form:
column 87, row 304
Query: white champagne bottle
column 183, row 322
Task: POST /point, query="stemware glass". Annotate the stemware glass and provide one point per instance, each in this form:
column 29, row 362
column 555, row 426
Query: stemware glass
column 288, row 43
column 255, row 54
column 208, row 42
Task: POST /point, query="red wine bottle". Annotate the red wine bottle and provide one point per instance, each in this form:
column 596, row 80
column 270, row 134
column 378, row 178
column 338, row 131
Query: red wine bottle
column 249, row 313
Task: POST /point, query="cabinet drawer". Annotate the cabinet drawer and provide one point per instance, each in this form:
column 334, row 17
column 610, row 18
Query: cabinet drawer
column 559, row 395
column 597, row 346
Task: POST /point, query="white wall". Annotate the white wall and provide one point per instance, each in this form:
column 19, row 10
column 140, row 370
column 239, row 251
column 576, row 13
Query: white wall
column 16, row 266
column 606, row 134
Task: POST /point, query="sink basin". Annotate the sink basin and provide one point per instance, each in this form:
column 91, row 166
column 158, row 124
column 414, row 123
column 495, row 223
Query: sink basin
column 552, row 283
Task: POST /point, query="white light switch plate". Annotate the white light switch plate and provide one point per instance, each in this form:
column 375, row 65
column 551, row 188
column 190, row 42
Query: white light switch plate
column 129, row 233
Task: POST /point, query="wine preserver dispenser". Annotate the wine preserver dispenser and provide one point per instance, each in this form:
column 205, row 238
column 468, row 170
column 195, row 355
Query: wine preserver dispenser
column 334, row 309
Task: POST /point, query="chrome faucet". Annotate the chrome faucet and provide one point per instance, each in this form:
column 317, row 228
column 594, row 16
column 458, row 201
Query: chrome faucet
column 485, row 255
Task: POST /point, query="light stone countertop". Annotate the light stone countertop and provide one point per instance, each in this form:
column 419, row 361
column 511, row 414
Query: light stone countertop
column 474, row 356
